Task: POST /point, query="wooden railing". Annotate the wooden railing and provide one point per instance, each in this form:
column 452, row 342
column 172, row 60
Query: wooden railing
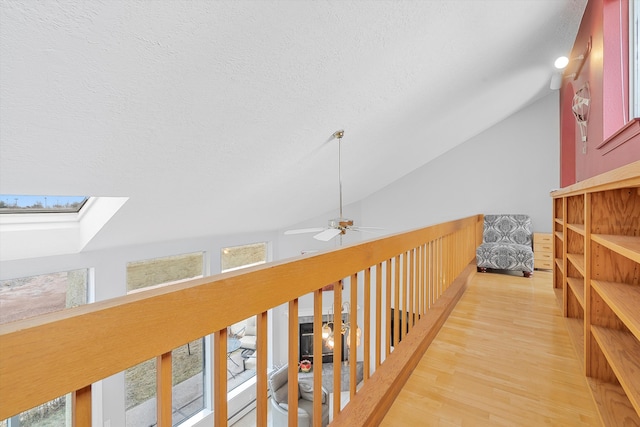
column 417, row 275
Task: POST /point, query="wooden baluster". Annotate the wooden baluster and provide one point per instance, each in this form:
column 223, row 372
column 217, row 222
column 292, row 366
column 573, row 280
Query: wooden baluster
column 425, row 278
column 396, row 302
column 387, row 310
column 366, row 341
column 261, row 366
column 337, row 348
column 439, row 264
column 317, row 358
column 445, row 264
column 164, row 385
column 419, row 281
column 378, row 328
column 293, row 363
column 410, row 288
column 220, row 378
column 432, row 273
column 353, row 324
column 81, row 407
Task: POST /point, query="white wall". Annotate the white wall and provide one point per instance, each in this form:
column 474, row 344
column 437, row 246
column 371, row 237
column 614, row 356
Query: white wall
column 510, row 168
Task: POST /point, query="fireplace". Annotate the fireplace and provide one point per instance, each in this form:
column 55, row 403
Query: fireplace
column 306, row 341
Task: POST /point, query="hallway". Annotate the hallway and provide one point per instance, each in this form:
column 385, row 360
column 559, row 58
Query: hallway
column 503, row 358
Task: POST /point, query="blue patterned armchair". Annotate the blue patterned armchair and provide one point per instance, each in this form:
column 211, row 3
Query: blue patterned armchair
column 506, row 244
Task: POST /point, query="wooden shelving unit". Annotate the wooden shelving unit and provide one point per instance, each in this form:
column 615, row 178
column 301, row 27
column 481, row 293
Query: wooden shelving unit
column 596, row 248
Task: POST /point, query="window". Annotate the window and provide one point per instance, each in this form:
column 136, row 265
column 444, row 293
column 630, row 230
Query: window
column 31, row 296
column 243, row 256
column 241, row 363
column 13, row 203
column 187, row 360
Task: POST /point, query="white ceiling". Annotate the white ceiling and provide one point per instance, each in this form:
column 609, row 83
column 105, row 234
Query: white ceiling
column 213, row 116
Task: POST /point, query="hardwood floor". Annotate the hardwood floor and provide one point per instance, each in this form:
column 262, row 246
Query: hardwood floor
column 503, row 358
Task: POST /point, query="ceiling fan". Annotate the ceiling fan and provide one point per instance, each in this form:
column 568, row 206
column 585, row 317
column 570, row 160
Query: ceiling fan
column 337, row 226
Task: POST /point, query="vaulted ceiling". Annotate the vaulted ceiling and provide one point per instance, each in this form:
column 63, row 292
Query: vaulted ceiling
column 213, row 116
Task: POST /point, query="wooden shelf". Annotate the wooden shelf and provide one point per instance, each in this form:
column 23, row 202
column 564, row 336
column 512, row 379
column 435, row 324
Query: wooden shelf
column 621, row 350
column 558, row 292
column 576, row 333
column 577, row 287
column 624, row 300
column 627, row 246
column 578, row 228
column 596, row 231
column 613, row 405
column 578, row 262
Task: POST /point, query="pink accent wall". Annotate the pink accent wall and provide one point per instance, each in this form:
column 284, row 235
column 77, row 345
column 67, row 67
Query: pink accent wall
column 606, row 72
column 567, row 133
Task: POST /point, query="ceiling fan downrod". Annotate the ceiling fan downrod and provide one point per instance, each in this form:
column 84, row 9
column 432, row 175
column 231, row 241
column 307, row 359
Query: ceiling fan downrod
column 339, row 134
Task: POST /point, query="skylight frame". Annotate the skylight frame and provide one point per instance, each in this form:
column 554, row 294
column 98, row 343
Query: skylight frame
column 34, row 235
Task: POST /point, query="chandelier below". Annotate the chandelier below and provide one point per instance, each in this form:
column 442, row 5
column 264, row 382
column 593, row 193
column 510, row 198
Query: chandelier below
column 328, row 334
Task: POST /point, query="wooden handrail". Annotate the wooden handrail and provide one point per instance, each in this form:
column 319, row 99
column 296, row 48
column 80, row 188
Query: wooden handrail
column 65, row 352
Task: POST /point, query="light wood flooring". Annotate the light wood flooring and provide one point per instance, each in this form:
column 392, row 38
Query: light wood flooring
column 503, row 358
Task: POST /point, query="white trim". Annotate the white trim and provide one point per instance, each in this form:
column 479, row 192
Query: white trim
column 634, row 50
column 243, row 266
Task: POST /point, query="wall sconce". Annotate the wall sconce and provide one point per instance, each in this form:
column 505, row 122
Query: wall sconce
column 563, row 62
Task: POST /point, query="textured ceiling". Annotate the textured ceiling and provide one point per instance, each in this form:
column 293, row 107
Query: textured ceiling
column 213, row 116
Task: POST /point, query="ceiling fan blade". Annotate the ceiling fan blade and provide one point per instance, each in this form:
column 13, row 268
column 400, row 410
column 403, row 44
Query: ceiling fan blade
column 357, row 227
column 304, row 230
column 328, row 234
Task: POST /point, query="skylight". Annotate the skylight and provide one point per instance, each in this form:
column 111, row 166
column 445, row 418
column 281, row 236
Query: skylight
column 38, row 226
column 17, row 204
